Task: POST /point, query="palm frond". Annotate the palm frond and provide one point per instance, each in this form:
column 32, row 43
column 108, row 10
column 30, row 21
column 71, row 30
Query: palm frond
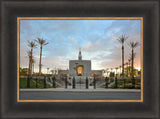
column 136, row 44
column 45, row 43
column 41, row 41
column 31, row 44
column 133, row 44
column 122, row 39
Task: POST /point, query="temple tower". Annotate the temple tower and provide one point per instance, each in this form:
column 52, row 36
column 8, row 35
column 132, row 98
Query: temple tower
column 80, row 55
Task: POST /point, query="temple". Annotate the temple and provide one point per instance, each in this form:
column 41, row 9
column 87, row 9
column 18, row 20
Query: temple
column 80, row 68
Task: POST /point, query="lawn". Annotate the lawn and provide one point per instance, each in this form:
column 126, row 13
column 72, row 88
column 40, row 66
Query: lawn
column 128, row 84
column 23, row 83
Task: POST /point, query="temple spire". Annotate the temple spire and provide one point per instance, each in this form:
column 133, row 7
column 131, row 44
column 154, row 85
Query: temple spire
column 79, row 56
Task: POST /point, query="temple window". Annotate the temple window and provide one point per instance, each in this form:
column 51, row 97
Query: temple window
column 80, row 70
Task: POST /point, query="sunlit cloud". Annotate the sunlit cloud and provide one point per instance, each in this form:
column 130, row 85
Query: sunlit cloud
column 96, row 38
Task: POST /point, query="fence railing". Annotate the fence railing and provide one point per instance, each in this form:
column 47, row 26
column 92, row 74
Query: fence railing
column 106, row 82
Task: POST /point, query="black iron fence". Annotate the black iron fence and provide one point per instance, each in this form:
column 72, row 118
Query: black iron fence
column 52, row 82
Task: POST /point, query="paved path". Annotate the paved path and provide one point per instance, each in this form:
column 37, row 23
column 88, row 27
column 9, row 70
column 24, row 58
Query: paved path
column 91, row 89
column 54, row 94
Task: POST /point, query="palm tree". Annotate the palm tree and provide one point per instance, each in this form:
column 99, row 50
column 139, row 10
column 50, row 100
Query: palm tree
column 120, row 70
column 133, row 45
column 127, row 68
column 42, row 43
column 29, row 69
column 29, row 64
column 32, row 45
column 52, row 71
column 129, row 62
column 111, row 73
column 33, row 61
column 107, row 71
column 122, row 39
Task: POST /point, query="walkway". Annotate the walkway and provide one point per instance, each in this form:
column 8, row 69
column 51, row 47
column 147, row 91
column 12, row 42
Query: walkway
column 82, row 90
column 69, row 94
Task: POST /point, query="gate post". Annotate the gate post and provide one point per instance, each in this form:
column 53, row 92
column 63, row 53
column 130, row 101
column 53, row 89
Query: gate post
column 36, row 82
column 133, row 82
column 94, row 83
column 28, row 82
column 73, row 85
column 44, row 82
column 116, row 82
column 106, row 82
column 65, row 82
column 86, row 82
column 54, row 82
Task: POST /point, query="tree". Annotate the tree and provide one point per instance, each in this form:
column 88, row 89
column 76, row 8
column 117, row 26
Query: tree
column 52, row 71
column 127, row 68
column 139, row 73
column 120, row 70
column 29, row 57
column 129, row 62
column 116, row 70
column 107, row 71
column 133, row 45
column 33, row 61
column 23, row 71
column 122, row 39
column 42, row 43
column 32, row 45
column 111, row 73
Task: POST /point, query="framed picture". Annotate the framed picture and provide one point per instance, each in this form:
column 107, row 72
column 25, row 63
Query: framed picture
column 100, row 40
column 67, row 59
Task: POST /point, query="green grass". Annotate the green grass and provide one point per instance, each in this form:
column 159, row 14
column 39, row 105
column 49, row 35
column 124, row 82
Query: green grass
column 23, row 84
column 128, row 84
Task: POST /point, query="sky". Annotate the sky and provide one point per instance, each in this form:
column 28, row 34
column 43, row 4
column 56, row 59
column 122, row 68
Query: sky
column 96, row 38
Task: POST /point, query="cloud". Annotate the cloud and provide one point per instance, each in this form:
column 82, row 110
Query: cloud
column 92, row 47
column 96, row 38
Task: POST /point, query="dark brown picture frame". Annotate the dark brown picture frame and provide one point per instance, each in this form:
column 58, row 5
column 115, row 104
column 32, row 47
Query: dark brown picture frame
column 148, row 9
column 78, row 18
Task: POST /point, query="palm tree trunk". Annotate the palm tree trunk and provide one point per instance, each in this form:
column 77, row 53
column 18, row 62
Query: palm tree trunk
column 123, row 64
column 132, row 62
column 33, row 67
column 127, row 70
column 40, row 60
column 122, row 61
column 29, row 66
column 31, row 62
column 120, row 72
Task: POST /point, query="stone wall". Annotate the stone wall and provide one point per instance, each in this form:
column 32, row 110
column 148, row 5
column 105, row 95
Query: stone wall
column 86, row 67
